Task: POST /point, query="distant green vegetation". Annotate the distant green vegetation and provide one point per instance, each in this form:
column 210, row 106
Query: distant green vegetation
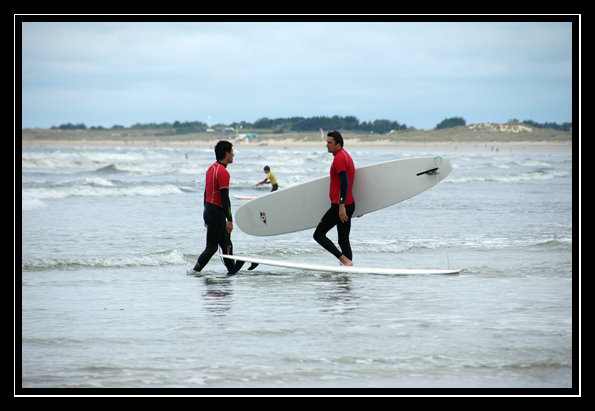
column 554, row 126
column 460, row 121
column 70, row 126
column 350, row 123
column 299, row 124
column 278, row 125
column 451, row 122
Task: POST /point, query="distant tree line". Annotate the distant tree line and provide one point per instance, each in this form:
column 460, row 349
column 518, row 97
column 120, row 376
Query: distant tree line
column 70, row 126
column 186, row 126
column 451, row 122
column 283, row 124
column 327, row 123
column 567, row 126
column 460, row 121
column 280, row 124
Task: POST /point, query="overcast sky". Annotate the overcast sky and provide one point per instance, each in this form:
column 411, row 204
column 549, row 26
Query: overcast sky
column 415, row 73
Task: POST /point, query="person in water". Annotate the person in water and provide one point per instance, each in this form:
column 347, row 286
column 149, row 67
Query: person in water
column 270, row 179
column 342, row 202
column 217, row 209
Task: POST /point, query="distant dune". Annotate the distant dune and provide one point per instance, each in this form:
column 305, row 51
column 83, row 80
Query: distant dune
column 484, row 133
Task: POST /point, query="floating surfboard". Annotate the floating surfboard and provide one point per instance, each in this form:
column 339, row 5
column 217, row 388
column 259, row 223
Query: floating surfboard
column 375, row 187
column 244, row 197
column 335, row 268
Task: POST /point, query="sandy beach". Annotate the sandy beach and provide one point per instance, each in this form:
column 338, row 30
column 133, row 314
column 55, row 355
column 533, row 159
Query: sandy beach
column 476, row 137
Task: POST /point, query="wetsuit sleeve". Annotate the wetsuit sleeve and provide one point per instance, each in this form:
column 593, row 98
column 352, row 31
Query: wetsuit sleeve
column 344, row 186
column 204, row 206
column 226, row 204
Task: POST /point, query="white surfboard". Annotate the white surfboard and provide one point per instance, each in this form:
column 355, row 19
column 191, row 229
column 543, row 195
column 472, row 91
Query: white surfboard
column 336, row 268
column 244, row 197
column 375, row 187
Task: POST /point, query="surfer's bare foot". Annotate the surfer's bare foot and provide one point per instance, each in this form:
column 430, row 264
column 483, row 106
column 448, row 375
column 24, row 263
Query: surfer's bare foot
column 345, row 261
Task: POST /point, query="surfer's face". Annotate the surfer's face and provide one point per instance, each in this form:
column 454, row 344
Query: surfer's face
column 332, row 146
column 229, row 157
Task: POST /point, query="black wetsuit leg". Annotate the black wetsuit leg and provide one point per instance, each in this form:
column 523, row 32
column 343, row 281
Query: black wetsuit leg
column 328, row 221
column 217, row 236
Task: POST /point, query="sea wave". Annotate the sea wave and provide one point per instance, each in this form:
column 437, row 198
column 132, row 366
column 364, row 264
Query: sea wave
column 533, row 163
column 32, row 204
column 56, row 163
column 169, row 257
column 31, row 198
column 94, row 191
column 110, row 156
column 93, row 181
column 546, row 243
column 390, row 247
column 511, row 178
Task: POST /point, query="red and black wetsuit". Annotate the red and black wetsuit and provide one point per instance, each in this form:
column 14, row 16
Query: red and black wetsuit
column 341, row 187
column 217, row 211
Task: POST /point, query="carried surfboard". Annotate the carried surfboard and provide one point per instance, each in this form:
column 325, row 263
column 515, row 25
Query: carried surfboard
column 335, row 268
column 375, row 187
column 244, row 197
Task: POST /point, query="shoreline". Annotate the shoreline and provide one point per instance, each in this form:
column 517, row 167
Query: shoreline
column 549, row 146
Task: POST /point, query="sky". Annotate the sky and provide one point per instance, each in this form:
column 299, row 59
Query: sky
column 120, row 73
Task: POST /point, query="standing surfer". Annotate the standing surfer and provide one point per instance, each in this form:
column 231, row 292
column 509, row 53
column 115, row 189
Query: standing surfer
column 342, row 202
column 217, row 209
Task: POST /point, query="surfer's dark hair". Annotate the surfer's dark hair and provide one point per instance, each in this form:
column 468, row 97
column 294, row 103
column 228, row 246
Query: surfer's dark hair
column 267, row 168
column 222, row 148
column 337, row 136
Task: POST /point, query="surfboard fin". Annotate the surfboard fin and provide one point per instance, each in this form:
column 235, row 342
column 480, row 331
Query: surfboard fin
column 430, row 172
column 252, row 266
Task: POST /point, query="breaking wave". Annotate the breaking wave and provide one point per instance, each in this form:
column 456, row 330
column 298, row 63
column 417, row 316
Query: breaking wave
column 171, row 257
column 511, row 178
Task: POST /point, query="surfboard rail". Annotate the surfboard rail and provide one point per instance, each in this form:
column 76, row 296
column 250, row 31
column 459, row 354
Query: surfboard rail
column 336, row 268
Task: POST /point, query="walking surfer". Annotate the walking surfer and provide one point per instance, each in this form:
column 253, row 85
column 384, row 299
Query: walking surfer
column 342, row 201
column 217, row 209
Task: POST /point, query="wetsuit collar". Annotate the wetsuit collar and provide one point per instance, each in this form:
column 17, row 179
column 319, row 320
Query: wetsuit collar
column 224, row 165
column 337, row 152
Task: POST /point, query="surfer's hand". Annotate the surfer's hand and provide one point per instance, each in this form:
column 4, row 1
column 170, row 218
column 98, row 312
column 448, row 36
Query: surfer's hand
column 229, row 227
column 343, row 213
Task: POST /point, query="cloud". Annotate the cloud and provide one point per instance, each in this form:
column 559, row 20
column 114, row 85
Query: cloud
column 108, row 73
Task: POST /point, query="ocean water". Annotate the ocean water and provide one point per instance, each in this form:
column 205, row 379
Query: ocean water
column 109, row 298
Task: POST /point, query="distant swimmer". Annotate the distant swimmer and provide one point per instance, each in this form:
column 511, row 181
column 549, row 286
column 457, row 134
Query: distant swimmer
column 270, row 179
column 342, row 202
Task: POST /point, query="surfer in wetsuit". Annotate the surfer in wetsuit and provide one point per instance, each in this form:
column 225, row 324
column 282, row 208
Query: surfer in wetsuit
column 217, row 209
column 342, row 202
column 270, row 179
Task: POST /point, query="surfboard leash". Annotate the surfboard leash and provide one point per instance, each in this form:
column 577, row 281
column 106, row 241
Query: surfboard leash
column 441, row 209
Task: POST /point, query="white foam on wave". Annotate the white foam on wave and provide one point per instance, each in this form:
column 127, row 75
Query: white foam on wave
column 92, row 181
column 91, row 191
column 172, row 257
column 32, row 204
column 108, row 156
column 511, row 178
column 532, row 163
